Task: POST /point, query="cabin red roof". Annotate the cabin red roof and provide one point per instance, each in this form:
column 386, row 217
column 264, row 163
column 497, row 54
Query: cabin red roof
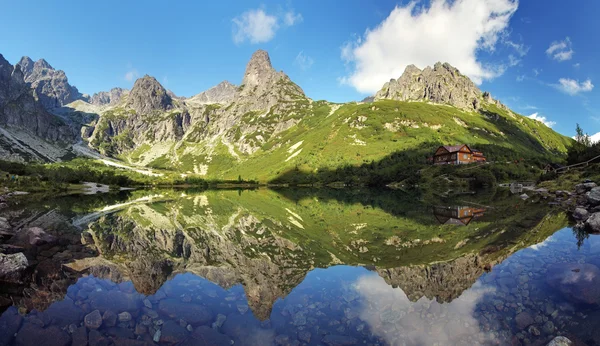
column 453, row 148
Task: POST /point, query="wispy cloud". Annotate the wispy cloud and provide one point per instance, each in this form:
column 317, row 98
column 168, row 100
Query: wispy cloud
column 536, row 72
column 577, row 65
column 542, row 119
column 561, row 50
column 521, row 78
column 291, row 18
column 131, row 75
column 257, row 26
column 574, row 87
column 303, row 61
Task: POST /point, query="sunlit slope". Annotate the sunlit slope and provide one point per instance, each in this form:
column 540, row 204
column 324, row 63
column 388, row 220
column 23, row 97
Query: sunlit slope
column 329, row 136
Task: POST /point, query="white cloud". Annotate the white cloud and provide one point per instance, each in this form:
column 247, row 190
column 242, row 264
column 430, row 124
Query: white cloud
column 542, row 119
column 560, row 50
column 521, row 78
column 513, row 61
column 536, row 72
column 573, row 87
column 577, row 65
column 520, row 48
column 131, row 75
column 256, row 26
column 446, row 31
column 303, row 61
column 291, row 18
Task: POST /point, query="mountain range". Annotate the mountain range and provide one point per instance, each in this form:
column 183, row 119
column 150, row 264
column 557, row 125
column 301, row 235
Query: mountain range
column 260, row 129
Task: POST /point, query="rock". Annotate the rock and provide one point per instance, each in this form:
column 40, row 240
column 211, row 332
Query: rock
column 523, row 320
column 194, row 314
column 584, row 187
column 548, row 327
column 31, row 334
column 80, row 337
column 95, row 338
column 31, row 237
column 109, row 318
column 10, row 322
column 441, row 84
column 593, row 223
column 147, row 303
column 339, row 340
column 156, row 337
column 578, row 282
column 205, row 336
column 64, row 313
column 524, row 196
column 108, row 98
column 148, row 95
column 282, row 340
column 93, row 320
column 12, row 267
column 304, row 336
column 593, row 196
column 533, row 330
column 124, row 316
column 120, row 332
column 223, row 93
column 560, row 341
column 219, row 322
column 3, row 205
column 172, row 333
column 580, row 214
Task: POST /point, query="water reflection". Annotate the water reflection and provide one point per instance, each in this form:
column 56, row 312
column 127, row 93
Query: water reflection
column 263, row 267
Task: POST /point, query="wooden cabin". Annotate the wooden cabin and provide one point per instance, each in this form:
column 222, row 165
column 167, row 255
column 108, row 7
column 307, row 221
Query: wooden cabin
column 453, row 155
column 457, row 155
column 457, row 215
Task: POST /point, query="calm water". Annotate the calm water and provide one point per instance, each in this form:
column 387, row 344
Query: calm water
column 300, row 267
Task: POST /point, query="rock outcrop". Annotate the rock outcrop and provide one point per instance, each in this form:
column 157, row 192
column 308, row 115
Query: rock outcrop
column 443, row 84
column 108, row 98
column 148, row 96
column 51, row 87
column 222, row 93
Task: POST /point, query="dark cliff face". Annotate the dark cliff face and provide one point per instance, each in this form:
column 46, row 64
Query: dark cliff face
column 20, row 109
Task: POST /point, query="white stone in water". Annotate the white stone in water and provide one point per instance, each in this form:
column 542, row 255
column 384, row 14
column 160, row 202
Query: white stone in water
column 156, row 337
column 147, row 303
column 124, row 316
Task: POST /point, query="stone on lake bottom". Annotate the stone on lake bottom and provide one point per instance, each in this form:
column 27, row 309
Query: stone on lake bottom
column 31, row 334
column 560, row 341
column 339, row 340
column 93, row 320
column 578, row 282
column 523, row 320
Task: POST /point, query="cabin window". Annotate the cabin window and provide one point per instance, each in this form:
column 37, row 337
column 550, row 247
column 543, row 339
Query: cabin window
column 465, row 156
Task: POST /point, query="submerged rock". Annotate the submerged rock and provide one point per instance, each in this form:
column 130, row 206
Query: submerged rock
column 31, row 334
column 93, row 320
column 560, row 341
column 524, row 320
column 580, row 214
column 578, row 282
column 192, row 313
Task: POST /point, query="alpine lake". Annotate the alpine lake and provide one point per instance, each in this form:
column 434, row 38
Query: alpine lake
column 296, row 267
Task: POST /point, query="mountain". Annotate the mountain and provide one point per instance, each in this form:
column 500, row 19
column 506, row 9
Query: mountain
column 51, row 87
column 222, row 93
column 108, row 98
column 27, row 130
column 267, row 128
column 442, row 84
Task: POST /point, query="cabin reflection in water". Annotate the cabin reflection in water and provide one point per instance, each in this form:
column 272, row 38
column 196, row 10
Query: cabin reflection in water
column 457, row 215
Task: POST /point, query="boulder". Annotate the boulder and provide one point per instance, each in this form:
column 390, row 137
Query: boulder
column 31, row 237
column 4, row 225
column 524, row 320
column 593, row 223
column 93, row 320
column 560, row 341
column 593, row 196
column 172, row 333
column 584, row 187
column 12, row 267
column 579, row 283
column 580, row 214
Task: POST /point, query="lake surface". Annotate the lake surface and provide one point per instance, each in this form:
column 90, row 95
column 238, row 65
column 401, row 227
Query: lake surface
column 299, row 267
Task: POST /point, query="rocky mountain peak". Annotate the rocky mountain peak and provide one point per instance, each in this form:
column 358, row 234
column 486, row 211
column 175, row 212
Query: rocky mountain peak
column 222, row 93
column 51, row 87
column 259, row 69
column 148, row 95
column 108, row 98
column 441, row 84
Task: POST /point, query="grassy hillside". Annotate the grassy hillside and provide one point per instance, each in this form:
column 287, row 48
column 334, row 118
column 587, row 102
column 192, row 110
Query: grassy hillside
column 330, row 137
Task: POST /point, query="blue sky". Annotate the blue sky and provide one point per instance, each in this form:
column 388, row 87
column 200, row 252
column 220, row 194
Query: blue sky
column 535, row 56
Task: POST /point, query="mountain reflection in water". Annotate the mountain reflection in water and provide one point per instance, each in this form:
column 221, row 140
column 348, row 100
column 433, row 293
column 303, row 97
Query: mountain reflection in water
column 295, row 267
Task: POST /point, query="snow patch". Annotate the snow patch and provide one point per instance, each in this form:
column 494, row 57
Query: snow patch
column 293, row 155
